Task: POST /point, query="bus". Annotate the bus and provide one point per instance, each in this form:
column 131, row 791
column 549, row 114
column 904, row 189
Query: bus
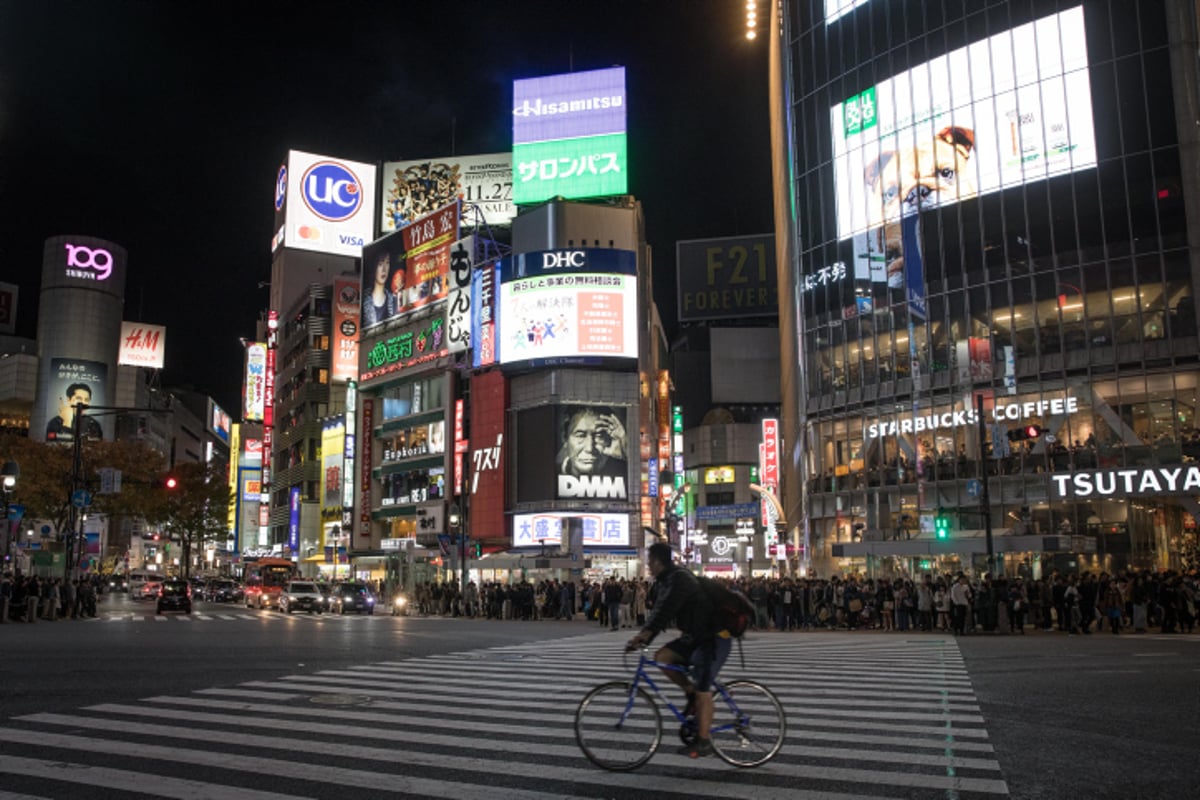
column 265, row 579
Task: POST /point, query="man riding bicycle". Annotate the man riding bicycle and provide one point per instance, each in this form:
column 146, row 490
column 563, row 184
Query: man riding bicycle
column 680, row 598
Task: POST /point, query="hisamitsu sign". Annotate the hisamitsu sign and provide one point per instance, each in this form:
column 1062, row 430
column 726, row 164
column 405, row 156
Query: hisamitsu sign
column 727, row 278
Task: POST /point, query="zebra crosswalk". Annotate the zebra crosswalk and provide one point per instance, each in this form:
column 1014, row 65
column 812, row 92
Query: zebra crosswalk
column 249, row 616
column 867, row 718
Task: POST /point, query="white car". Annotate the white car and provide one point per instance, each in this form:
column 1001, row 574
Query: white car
column 302, row 596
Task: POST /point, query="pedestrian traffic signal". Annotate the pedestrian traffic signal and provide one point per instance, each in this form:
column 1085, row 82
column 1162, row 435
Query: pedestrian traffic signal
column 1025, row 432
column 479, row 549
column 941, row 524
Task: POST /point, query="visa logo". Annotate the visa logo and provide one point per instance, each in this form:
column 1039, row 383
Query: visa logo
column 353, row 241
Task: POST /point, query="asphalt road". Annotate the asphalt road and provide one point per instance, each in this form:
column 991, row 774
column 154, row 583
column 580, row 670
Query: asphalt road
column 466, row 708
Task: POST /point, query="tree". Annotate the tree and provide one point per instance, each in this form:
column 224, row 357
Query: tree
column 196, row 511
column 46, row 477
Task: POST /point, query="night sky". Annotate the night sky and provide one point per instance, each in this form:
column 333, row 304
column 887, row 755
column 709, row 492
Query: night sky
column 160, row 125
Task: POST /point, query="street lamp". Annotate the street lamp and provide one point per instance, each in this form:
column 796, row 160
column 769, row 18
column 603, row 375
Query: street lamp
column 8, row 479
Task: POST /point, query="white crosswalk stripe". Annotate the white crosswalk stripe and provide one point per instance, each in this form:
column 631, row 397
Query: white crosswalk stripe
column 867, row 718
column 249, row 616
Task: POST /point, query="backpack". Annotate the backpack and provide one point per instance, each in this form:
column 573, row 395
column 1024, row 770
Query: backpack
column 732, row 612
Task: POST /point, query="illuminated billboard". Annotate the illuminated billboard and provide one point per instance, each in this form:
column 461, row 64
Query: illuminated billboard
column 409, row 269
column 74, row 382
column 412, row 189
column 726, row 278
column 343, row 358
column 592, row 461
column 330, row 204
column 599, row 530
column 142, row 345
column 333, row 438
column 1012, row 108
column 413, row 344
column 255, row 397
column 219, row 422
column 569, row 136
column 559, row 306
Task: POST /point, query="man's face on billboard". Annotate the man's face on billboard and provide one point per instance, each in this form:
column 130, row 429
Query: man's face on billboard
column 587, row 440
column 79, row 397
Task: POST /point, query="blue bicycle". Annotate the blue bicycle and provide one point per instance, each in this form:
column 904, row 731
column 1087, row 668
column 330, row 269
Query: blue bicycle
column 618, row 725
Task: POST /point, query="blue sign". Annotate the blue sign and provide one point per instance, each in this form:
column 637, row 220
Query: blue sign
column 974, row 487
column 16, row 511
column 735, row 511
column 294, row 521
column 563, row 262
column 81, row 498
column 331, row 191
column 280, row 187
column 652, row 470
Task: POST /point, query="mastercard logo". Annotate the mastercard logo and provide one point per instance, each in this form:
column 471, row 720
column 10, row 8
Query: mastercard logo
column 309, row 233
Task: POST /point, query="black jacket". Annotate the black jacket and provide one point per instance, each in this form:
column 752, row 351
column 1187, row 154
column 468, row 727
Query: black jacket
column 680, row 598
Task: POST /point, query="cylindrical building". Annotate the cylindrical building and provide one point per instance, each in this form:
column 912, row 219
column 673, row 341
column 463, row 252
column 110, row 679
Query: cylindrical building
column 991, row 206
column 79, row 333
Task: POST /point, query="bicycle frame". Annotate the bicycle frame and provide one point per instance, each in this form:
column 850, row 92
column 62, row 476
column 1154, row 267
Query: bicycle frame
column 641, row 675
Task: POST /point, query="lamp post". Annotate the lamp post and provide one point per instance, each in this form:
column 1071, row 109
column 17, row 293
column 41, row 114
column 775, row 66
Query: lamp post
column 456, row 530
column 8, row 480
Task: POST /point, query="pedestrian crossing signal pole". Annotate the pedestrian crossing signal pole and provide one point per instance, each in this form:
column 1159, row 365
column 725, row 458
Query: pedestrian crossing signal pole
column 985, row 503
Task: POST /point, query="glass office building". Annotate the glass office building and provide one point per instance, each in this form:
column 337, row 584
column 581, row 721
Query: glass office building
column 988, row 215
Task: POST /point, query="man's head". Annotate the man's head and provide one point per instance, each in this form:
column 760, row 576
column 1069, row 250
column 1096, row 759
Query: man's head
column 658, row 557
column 587, row 440
column 79, row 394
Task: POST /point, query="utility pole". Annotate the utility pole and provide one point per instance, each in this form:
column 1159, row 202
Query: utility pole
column 985, row 501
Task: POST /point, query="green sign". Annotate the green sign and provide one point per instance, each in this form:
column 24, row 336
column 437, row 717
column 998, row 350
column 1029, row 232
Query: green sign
column 677, row 419
column 859, row 112
column 407, row 348
column 587, row 166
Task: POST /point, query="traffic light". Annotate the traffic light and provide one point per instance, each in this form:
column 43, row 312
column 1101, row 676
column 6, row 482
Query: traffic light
column 478, row 549
column 941, row 524
column 1025, row 432
column 171, row 482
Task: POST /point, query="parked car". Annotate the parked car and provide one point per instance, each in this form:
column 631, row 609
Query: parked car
column 301, row 596
column 175, row 594
column 356, row 597
column 223, row 591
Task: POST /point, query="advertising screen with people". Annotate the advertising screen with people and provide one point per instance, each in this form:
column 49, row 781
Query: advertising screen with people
column 75, row 382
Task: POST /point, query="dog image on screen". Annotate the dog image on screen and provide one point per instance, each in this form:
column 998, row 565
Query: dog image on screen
column 902, row 182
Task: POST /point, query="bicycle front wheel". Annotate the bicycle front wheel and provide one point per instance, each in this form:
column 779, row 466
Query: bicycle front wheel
column 748, row 724
column 618, row 728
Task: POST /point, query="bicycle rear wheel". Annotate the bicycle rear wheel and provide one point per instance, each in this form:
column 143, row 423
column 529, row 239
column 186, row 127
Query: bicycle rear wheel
column 748, row 724
column 617, row 728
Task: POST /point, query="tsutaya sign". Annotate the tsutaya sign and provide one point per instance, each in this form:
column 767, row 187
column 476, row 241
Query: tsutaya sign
column 1173, row 479
column 1002, row 412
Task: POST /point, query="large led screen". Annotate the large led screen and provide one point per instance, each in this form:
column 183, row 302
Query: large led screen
column 559, row 306
column 599, row 530
column 569, row 136
column 74, row 382
column 1010, row 109
column 592, row 461
column 412, row 189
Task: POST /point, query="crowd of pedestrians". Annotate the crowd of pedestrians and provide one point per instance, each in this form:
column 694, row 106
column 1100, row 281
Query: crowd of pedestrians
column 23, row 596
column 1071, row 603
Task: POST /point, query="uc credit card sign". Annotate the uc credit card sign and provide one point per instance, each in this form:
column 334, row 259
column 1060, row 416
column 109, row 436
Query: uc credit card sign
column 569, row 136
column 330, row 204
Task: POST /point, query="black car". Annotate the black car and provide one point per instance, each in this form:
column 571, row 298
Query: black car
column 175, row 594
column 347, row 597
column 223, row 591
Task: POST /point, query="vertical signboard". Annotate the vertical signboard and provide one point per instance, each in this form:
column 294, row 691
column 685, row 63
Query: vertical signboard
column 343, row 359
column 254, row 402
column 8, row 308
column 483, row 321
column 294, row 519
column 458, row 312
column 348, row 457
column 74, row 382
column 769, row 464
column 362, row 533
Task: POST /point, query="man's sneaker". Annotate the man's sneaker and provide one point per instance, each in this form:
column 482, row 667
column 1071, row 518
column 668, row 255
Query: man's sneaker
column 697, row 749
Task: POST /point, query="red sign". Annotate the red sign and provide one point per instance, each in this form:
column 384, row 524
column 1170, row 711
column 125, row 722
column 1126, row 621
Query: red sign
column 362, row 538
column 770, row 438
column 458, row 420
column 489, row 399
